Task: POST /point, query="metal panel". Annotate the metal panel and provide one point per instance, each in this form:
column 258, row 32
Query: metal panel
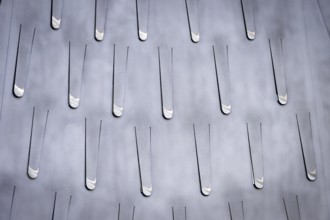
column 100, row 18
column 141, row 68
column 166, row 76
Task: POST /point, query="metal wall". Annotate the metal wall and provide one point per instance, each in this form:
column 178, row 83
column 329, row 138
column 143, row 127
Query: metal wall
column 153, row 109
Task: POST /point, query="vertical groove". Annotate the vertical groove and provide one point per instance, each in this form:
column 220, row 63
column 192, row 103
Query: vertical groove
column 6, row 62
column 31, row 132
column 69, row 206
column 12, row 203
column 54, row 206
column 314, row 100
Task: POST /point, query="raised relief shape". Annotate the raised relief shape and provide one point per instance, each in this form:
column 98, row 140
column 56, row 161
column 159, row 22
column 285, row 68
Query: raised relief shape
column 166, row 76
column 57, row 9
column 77, row 56
column 93, row 130
column 203, row 153
column 324, row 16
column 12, row 203
column 100, row 18
column 61, row 207
column 306, row 140
column 179, row 213
column 236, row 210
column 143, row 18
column 222, row 71
column 291, row 206
column 24, row 51
column 256, row 153
column 248, row 14
column 120, row 60
column 124, row 212
column 193, row 19
column 143, row 145
column 276, row 49
column 37, row 138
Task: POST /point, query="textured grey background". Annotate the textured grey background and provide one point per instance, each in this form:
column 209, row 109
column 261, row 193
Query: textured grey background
column 301, row 23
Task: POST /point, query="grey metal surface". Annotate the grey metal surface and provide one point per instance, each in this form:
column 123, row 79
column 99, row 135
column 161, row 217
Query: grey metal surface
column 127, row 74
